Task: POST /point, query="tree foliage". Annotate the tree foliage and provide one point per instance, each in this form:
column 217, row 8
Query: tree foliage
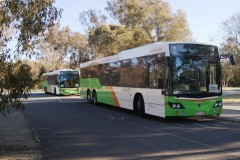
column 230, row 29
column 26, row 20
column 37, row 69
column 230, row 74
column 153, row 16
column 91, row 19
column 15, row 83
column 110, row 39
column 139, row 22
column 61, row 47
column 231, row 32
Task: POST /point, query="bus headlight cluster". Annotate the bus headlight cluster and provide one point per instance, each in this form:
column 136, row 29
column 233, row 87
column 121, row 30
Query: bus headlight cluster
column 176, row 105
column 218, row 104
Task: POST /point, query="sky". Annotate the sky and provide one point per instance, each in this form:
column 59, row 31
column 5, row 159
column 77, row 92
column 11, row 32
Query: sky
column 204, row 16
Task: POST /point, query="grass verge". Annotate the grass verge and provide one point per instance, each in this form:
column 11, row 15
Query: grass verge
column 232, row 98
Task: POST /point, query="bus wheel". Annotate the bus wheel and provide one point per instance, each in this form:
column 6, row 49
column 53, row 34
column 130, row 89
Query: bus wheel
column 45, row 90
column 88, row 96
column 94, row 98
column 55, row 91
column 140, row 106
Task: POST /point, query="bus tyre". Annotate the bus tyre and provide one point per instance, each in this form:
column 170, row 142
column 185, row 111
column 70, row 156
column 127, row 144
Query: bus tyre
column 94, row 98
column 218, row 115
column 55, row 91
column 45, row 90
column 89, row 96
column 140, row 106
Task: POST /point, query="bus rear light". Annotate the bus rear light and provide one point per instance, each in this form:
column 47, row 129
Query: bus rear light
column 176, row 105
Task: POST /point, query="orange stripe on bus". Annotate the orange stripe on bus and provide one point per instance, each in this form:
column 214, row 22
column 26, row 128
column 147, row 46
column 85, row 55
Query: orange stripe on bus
column 114, row 97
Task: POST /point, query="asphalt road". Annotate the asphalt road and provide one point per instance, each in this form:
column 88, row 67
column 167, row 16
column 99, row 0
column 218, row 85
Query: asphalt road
column 231, row 91
column 70, row 128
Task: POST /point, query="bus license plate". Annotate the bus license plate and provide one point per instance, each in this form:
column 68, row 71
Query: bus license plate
column 200, row 113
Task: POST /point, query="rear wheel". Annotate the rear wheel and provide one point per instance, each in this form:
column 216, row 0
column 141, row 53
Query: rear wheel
column 140, row 106
column 88, row 96
column 218, row 115
column 55, row 91
column 45, row 90
column 94, row 98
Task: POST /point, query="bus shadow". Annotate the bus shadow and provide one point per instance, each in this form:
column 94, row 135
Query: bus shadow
column 167, row 120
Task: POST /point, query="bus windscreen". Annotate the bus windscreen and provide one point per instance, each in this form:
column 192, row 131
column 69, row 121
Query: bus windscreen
column 69, row 79
column 195, row 70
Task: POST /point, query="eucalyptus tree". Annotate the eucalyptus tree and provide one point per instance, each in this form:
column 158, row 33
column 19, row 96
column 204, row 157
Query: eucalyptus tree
column 153, row 16
column 60, row 47
column 230, row 32
column 92, row 19
column 27, row 19
column 16, row 81
column 110, row 39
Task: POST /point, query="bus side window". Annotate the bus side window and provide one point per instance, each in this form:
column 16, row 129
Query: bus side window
column 85, row 73
column 51, row 80
column 104, row 74
column 92, row 72
column 101, row 74
column 57, row 80
column 156, row 72
column 108, row 74
column 139, row 72
column 115, row 73
column 124, row 72
column 153, row 76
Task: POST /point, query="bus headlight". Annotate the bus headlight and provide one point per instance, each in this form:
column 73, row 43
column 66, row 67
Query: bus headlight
column 217, row 104
column 176, row 105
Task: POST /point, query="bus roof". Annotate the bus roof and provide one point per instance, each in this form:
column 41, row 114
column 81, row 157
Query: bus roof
column 54, row 72
column 144, row 50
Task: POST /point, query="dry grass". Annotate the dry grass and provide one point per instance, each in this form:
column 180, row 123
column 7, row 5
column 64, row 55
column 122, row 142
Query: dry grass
column 229, row 88
column 232, row 98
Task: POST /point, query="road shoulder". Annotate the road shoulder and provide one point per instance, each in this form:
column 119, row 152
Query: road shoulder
column 17, row 140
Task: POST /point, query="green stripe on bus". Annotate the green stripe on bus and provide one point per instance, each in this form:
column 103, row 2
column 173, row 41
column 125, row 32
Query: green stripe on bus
column 105, row 94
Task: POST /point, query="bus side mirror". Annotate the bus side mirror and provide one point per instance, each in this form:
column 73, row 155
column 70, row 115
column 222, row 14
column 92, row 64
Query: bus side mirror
column 161, row 83
column 228, row 56
column 232, row 60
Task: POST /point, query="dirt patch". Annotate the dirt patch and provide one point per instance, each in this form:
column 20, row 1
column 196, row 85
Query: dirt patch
column 16, row 138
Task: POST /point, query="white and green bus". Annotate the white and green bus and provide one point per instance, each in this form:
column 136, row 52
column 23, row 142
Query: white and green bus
column 61, row 82
column 162, row 79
